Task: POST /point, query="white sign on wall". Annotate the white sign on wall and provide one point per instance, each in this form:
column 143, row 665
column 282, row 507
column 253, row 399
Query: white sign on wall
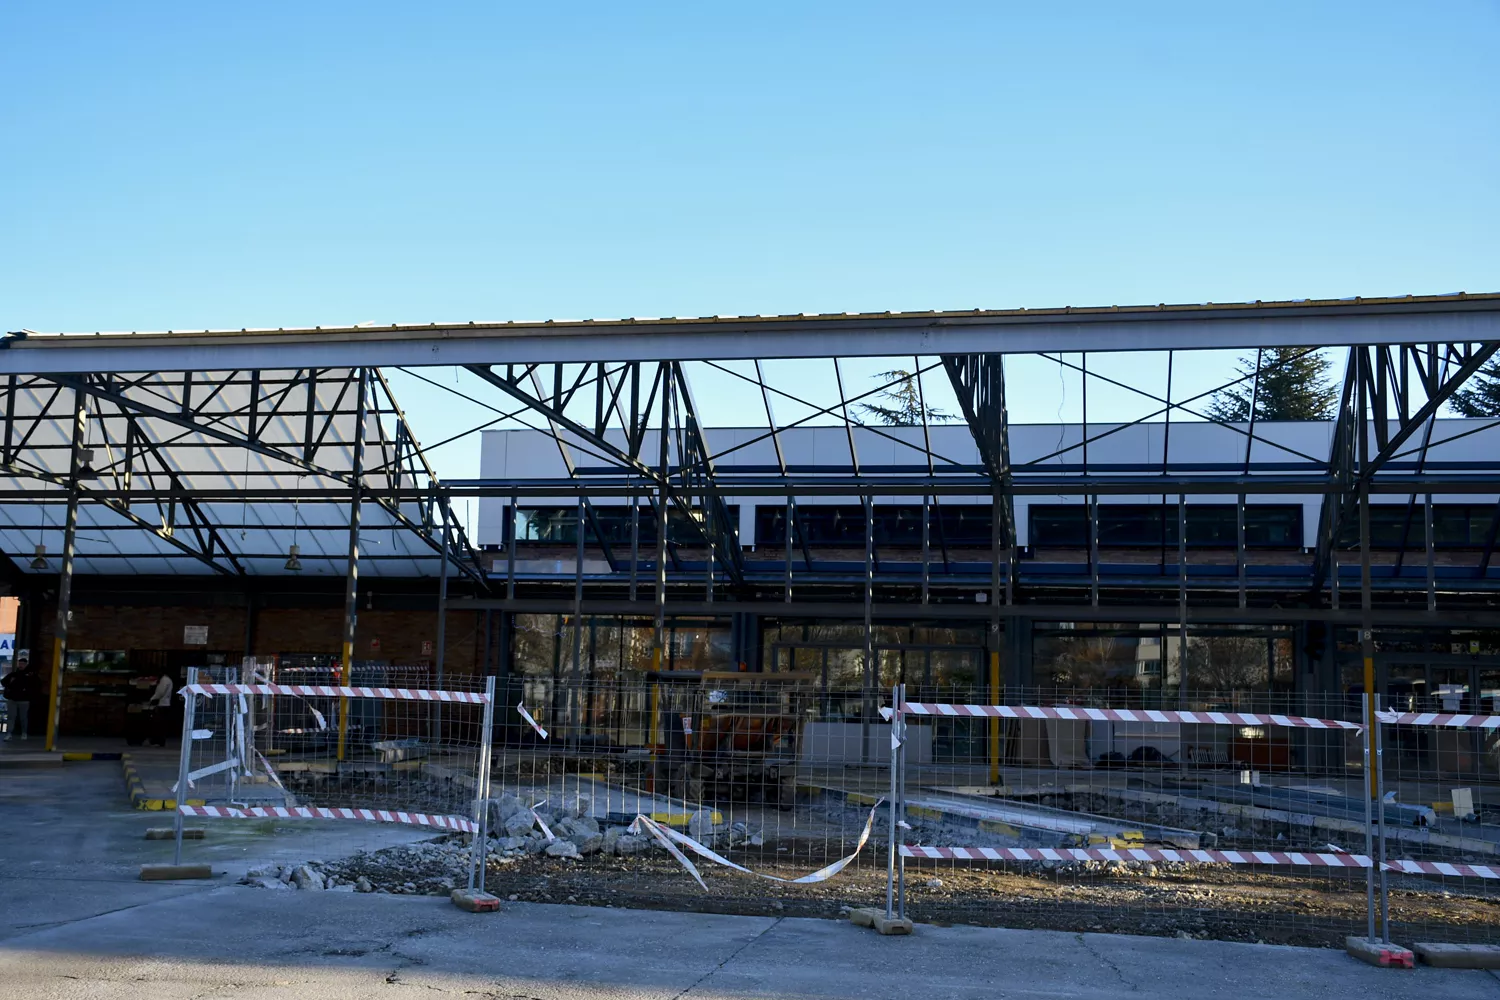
column 195, row 635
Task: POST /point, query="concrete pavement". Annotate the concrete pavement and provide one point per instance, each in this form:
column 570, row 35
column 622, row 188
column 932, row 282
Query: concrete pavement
column 75, row 922
column 248, row 944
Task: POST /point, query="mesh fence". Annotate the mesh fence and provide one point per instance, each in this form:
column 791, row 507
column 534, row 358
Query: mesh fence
column 752, row 767
column 1235, row 815
column 267, row 743
column 1442, row 839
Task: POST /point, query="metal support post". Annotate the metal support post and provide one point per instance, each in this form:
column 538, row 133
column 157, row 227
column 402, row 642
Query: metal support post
column 926, row 551
column 65, row 575
column 510, row 548
column 635, row 546
column 896, row 752
column 1431, row 567
column 900, row 804
column 482, row 789
column 351, row 581
column 1182, row 597
column 994, row 635
column 871, row 680
column 1379, row 858
column 1239, row 545
column 1369, row 824
column 184, row 759
column 575, row 674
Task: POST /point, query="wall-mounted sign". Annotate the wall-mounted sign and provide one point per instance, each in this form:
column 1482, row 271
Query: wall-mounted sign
column 426, row 647
column 374, row 645
column 195, row 635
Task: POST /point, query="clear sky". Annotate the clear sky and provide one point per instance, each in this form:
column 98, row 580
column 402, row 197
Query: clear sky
column 211, row 165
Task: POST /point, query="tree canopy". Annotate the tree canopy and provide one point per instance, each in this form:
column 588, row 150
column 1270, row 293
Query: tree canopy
column 901, row 402
column 1481, row 396
column 1293, row 385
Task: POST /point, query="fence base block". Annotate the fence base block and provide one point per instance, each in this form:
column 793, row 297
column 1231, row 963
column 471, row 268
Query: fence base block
column 871, row 917
column 1387, row 956
column 474, row 901
column 159, row 873
column 1459, row 956
column 167, row 833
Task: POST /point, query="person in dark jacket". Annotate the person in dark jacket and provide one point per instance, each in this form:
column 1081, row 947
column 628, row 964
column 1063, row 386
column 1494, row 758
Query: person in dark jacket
column 21, row 685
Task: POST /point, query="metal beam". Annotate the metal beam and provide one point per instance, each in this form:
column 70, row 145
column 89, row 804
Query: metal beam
column 1428, row 319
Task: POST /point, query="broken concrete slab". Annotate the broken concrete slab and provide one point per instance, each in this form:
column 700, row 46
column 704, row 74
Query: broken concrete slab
column 163, row 873
column 1458, row 956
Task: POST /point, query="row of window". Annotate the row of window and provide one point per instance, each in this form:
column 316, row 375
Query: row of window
column 1209, row 525
column 1454, row 526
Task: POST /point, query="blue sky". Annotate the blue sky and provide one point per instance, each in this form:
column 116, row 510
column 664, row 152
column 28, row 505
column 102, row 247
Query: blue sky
column 208, row 165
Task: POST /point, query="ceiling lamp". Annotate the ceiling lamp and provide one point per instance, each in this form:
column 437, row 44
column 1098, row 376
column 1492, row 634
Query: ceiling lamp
column 39, row 561
column 293, row 564
column 86, row 468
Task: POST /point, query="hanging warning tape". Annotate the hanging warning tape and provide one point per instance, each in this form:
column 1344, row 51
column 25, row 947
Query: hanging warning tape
column 1439, row 719
column 1297, row 858
column 460, row 823
column 1123, row 715
column 334, row 691
column 1442, row 868
column 666, row 835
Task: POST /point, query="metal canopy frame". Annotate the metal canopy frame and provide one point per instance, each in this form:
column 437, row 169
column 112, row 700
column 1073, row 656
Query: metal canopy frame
column 629, row 427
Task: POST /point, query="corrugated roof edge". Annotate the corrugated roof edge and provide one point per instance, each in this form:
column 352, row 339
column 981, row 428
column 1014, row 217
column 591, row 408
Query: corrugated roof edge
column 1355, row 304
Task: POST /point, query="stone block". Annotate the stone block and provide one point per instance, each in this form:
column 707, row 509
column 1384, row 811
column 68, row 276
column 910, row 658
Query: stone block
column 161, row 873
column 866, row 916
column 1386, row 956
column 1458, row 956
column 167, row 833
column 474, row 901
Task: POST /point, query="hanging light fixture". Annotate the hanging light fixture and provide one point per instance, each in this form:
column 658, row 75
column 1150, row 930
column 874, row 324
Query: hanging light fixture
column 86, row 468
column 293, row 564
column 39, row 561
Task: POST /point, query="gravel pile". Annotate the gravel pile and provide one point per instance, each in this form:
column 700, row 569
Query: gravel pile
column 517, row 830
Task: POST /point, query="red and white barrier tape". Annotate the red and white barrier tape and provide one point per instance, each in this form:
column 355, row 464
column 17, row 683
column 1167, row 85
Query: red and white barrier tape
column 1298, row 858
column 521, row 707
column 666, row 835
column 1439, row 719
column 1442, row 868
column 659, row 832
column 1123, row 715
column 461, row 824
column 333, row 691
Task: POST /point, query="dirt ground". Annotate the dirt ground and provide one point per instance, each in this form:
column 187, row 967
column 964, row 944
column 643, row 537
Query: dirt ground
column 1208, row 902
column 1221, row 903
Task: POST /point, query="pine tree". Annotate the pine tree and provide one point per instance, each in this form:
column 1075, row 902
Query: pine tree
column 1481, row 397
column 904, row 402
column 1293, row 385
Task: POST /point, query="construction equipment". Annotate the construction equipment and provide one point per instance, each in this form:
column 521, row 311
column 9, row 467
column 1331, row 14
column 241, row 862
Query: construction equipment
column 733, row 736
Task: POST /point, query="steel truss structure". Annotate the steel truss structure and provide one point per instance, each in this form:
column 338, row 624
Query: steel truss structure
column 172, row 439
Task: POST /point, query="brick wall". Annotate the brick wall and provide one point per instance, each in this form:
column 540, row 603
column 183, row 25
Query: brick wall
column 396, row 636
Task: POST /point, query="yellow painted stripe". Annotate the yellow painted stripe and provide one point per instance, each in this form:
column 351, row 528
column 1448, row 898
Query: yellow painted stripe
column 995, row 826
column 682, row 819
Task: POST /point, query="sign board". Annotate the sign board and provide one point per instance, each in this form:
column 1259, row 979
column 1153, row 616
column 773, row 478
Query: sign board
column 426, row 647
column 7, row 645
column 374, row 645
column 195, row 635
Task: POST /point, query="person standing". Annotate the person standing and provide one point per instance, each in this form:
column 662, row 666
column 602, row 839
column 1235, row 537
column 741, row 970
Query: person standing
column 161, row 709
column 20, row 686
